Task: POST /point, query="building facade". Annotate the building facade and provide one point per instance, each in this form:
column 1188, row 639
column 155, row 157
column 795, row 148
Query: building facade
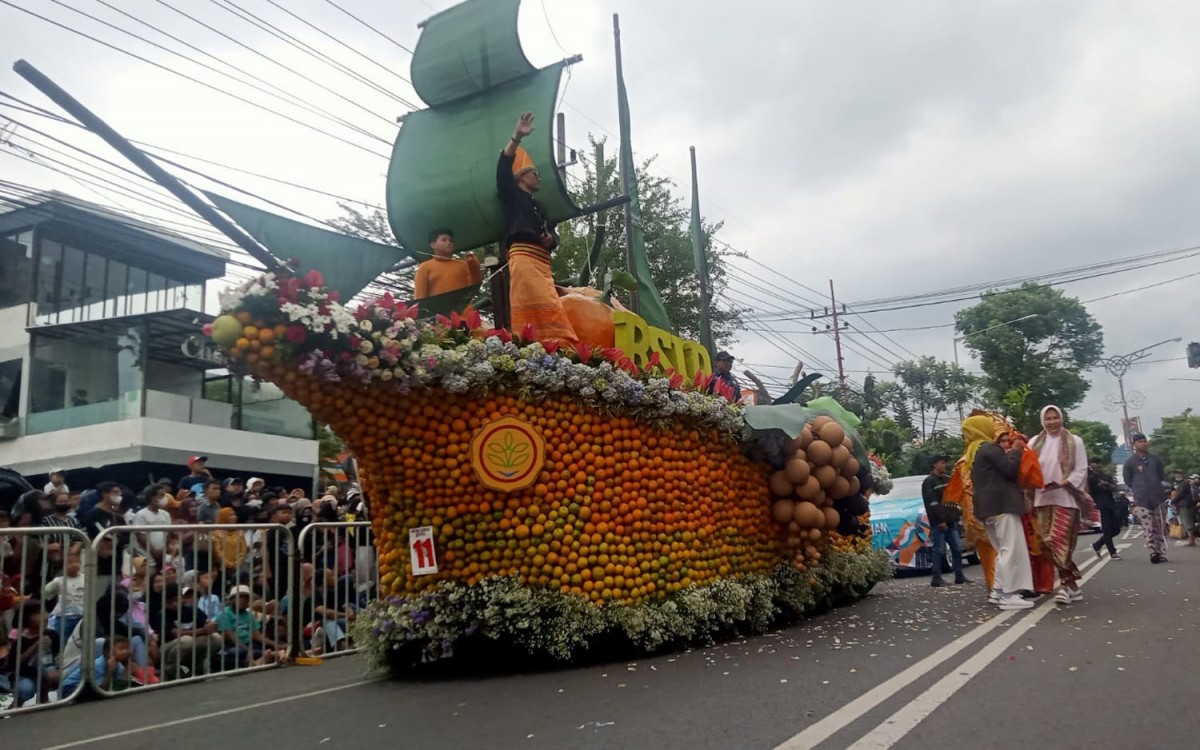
column 103, row 369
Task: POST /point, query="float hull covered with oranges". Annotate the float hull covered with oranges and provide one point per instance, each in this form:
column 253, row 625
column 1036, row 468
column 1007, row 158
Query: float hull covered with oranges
column 570, row 495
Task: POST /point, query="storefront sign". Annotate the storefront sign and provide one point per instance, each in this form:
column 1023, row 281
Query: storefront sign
column 199, row 347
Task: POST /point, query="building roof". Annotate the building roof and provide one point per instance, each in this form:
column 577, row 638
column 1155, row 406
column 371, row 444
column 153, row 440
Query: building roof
column 101, row 221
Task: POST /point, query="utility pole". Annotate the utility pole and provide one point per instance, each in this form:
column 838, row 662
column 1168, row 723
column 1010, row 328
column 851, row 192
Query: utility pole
column 836, row 331
column 837, row 340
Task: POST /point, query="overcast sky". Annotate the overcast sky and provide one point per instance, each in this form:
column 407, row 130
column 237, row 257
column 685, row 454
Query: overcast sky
column 894, row 147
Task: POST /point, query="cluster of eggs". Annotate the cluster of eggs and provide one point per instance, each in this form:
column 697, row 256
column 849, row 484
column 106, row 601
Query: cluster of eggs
column 820, row 468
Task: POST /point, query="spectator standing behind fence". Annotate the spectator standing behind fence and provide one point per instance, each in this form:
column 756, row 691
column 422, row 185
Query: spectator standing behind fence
column 61, row 516
column 57, row 483
column 198, row 473
column 154, row 543
column 36, row 650
column 109, row 550
column 210, row 502
column 111, row 668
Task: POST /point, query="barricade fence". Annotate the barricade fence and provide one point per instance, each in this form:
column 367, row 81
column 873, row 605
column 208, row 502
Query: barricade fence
column 142, row 607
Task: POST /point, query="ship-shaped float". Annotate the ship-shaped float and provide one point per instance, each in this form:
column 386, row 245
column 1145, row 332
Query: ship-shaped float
column 524, row 493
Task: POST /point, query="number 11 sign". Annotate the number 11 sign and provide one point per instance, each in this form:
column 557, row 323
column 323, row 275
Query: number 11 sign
column 420, row 547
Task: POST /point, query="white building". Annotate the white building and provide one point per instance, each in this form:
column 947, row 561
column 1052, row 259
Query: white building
column 103, row 368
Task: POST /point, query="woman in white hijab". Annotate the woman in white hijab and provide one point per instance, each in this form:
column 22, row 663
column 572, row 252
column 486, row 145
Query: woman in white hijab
column 1063, row 458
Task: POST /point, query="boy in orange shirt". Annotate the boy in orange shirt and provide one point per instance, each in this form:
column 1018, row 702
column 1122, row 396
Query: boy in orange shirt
column 443, row 272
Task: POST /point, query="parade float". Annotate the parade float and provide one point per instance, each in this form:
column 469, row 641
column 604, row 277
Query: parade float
column 525, row 494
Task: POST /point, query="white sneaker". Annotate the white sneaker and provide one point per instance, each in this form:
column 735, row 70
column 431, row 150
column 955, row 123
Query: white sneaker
column 1014, row 601
column 1076, row 594
column 1063, row 596
column 995, row 597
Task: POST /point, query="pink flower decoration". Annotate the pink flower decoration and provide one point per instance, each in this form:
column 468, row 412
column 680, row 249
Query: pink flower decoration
column 314, row 279
column 207, row 329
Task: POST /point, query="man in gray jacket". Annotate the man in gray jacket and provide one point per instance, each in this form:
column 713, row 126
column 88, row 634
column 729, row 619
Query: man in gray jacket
column 1000, row 503
column 1144, row 475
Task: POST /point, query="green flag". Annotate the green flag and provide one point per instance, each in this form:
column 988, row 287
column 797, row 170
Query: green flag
column 701, row 262
column 650, row 305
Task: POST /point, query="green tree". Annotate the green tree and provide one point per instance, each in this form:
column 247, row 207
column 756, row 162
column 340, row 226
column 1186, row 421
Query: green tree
column 665, row 222
column 1177, row 442
column 886, row 439
column 931, row 388
column 372, row 224
column 1033, row 336
column 917, row 458
column 1097, row 436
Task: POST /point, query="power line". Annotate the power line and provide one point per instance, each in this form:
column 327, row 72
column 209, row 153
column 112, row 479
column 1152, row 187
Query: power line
column 289, row 69
column 308, row 49
column 369, row 26
column 271, row 89
column 352, row 48
column 193, row 79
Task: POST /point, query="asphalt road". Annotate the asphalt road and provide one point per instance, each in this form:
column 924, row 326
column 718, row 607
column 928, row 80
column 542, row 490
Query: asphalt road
column 911, row 667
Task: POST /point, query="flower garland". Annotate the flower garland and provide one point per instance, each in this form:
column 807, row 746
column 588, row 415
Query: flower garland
column 545, row 622
column 383, row 341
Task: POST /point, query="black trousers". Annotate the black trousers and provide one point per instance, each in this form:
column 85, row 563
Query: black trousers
column 1110, row 522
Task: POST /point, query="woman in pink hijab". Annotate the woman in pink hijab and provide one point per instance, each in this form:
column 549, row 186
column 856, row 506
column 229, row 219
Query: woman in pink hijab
column 1063, row 458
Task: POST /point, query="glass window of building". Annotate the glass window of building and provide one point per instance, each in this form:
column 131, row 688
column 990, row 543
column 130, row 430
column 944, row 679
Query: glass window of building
column 10, row 388
column 94, row 278
column 16, row 268
column 49, row 277
column 115, row 288
column 70, row 293
column 138, row 285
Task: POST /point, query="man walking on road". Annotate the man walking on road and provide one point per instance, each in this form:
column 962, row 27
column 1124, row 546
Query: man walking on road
column 1100, row 487
column 1144, row 475
column 943, row 523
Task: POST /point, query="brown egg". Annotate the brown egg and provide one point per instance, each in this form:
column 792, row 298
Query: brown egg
column 815, row 535
column 832, row 433
column 791, row 445
column 793, row 527
column 797, row 471
column 783, row 511
column 832, row 518
column 840, row 457
column 808, row 515
column 855, row 486
column 819, row 452
column 806, row 436
column 851, row 468
column 846, row 441
column 809, row 490
column 826, row 475
column 840, row 488
column 781, row 485
column 818, row 423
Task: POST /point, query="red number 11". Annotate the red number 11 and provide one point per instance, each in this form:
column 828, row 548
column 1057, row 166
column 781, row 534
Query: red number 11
column 424, row 549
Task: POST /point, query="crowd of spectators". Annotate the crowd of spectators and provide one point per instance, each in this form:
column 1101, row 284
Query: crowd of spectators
column 167, row 605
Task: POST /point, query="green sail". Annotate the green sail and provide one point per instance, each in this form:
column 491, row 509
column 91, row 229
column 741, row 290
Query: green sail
column 469, row 67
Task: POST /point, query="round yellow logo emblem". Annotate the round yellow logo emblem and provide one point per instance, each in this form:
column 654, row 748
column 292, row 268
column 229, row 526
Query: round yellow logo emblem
column 507, row 454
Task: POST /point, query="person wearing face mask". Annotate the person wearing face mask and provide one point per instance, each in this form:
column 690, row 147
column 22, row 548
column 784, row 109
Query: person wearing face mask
column 1063, row 458
column 61, row 517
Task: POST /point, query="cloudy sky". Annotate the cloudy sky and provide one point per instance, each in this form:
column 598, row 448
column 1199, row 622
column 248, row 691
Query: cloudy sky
column 894, row 147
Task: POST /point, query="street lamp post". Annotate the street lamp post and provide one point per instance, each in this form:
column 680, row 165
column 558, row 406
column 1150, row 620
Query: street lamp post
column 1118, row 366
column 984, row 330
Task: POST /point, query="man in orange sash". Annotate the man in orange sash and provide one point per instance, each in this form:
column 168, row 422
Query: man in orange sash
column 530, row 238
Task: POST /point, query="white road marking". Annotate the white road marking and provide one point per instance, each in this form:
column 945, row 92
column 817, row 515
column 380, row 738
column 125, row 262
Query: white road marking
column 818, row 732
column 203, row 717
column 896, row 726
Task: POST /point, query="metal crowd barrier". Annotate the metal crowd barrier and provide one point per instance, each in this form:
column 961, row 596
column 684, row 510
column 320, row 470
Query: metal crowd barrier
column 33, row 564
column 235, row 576
column 136, row 629
column 338, row 577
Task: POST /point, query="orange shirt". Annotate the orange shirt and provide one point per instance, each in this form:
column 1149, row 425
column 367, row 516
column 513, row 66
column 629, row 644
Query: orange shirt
column 441, row 275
